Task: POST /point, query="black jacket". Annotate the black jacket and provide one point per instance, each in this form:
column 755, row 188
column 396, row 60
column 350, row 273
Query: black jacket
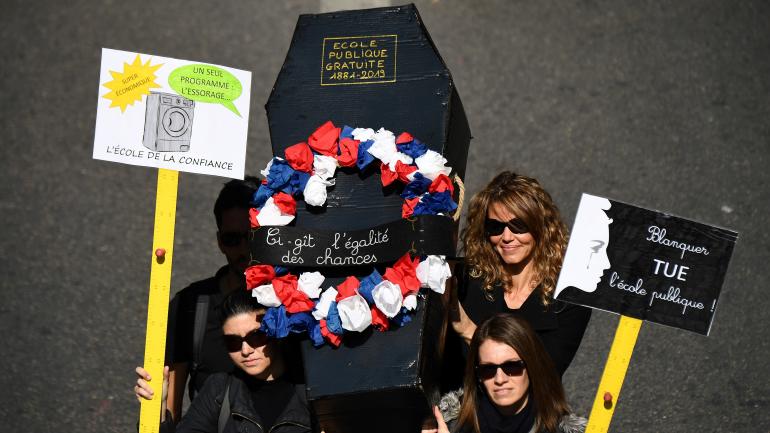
column 203, row 414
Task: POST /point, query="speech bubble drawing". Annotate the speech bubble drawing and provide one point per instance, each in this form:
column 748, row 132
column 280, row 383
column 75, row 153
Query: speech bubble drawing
column 206, row 83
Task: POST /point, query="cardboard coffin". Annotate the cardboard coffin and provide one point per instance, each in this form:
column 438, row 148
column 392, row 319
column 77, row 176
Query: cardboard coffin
column 376, row 381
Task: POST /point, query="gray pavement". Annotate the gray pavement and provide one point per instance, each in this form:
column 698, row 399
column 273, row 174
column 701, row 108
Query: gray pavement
column 662, row 104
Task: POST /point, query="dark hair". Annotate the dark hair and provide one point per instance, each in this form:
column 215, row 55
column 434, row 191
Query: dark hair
column 235, row 194
column 240, row 302
column 544, row 385
column 527, row 200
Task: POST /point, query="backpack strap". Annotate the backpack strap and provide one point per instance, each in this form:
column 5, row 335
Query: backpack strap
column 224, row 409
column 199, row 329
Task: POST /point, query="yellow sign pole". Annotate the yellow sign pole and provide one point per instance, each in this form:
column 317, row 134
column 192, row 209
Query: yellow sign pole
column 614, row 373
column 157, row 306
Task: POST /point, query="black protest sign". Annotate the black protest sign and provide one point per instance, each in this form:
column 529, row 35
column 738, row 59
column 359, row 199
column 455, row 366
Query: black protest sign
column 297, row 246
column 645, row 264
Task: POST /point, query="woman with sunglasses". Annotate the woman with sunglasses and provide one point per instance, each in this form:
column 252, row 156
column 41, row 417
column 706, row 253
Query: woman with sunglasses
column 260, row 395
column 514, row 243
column 510, row 385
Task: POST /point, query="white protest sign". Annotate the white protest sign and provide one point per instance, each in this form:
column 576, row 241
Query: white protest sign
column 175, row 114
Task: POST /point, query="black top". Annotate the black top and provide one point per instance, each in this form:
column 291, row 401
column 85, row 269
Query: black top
column 181, row 322
column 560, row 325
column 270, row 398
column 492, row 421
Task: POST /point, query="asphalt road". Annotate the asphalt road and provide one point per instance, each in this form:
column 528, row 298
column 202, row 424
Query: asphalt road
column 661, row 104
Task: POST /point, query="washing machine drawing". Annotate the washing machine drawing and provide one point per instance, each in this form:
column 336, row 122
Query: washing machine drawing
column 168, row 122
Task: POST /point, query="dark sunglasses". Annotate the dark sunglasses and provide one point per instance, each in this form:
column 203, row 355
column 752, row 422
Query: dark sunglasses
column 255, row 338
column 233, row 239
column 510, row 368
column 496, row 228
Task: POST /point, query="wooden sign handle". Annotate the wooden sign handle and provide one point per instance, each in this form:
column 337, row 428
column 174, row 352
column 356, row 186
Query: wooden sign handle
column 614, row 373
column 157, row 306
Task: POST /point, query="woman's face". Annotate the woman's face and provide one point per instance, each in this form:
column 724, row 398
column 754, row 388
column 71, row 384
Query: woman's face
column 513, row 248
column 256, row 360
column 508, row 393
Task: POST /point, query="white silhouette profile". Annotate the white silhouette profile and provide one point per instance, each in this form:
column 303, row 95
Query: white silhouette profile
column 586, row 258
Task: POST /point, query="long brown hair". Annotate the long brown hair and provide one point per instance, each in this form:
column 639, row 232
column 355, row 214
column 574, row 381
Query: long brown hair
column 545, row 387
column 524, row 197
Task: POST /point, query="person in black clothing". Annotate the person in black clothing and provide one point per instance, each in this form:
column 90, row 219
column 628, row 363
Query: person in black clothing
column 231, row 212
column 514, row 243
column 510, row 385
column 261, row 395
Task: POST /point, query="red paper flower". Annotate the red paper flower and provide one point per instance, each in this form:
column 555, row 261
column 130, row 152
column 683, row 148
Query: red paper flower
column 404, row 273
column 300, row 157
column 324, row 139
column 253, row 212
column 258, row 275
column 404, row 137
column 348, row 152
column 329, row 336
column 404, row 170
column 386, row 176
column 285, row 203
column 347, row 288
column 379, row 319
column 407, row 209
column 442, row 183
column 295, row 301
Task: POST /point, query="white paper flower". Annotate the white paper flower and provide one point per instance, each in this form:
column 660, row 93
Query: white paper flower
column 315, row 190
column 363, row 134
column 266, row 296
column 322, row 307
column 324, row 166
column 431, row 164
column 433, row 272
column 271, row 215
column 384, row 146
column 310, row 284
column 398, row 156
column 410, row 302
column 355, row 314
column 388, row 298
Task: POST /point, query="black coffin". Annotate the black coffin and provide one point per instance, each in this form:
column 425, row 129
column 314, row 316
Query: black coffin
column 376, row 381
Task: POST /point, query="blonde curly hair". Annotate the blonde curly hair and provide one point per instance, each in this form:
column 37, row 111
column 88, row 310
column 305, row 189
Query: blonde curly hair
column 527, row 200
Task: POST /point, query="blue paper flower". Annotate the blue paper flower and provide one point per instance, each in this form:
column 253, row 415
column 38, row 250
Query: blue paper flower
column 280, row 270
column 434, row 203
column 261, row 195
column 347, row 132
column 417, row 187
column 297, row 182
column 315, row 335
column 333, row 322
column 275, row 323
column 414, row 148
column 279, row 174
column 364, row 158
column 366, row 285
column 301, row 322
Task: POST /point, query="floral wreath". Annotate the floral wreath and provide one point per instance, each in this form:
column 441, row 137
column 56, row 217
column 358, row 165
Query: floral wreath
column 297, row 304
